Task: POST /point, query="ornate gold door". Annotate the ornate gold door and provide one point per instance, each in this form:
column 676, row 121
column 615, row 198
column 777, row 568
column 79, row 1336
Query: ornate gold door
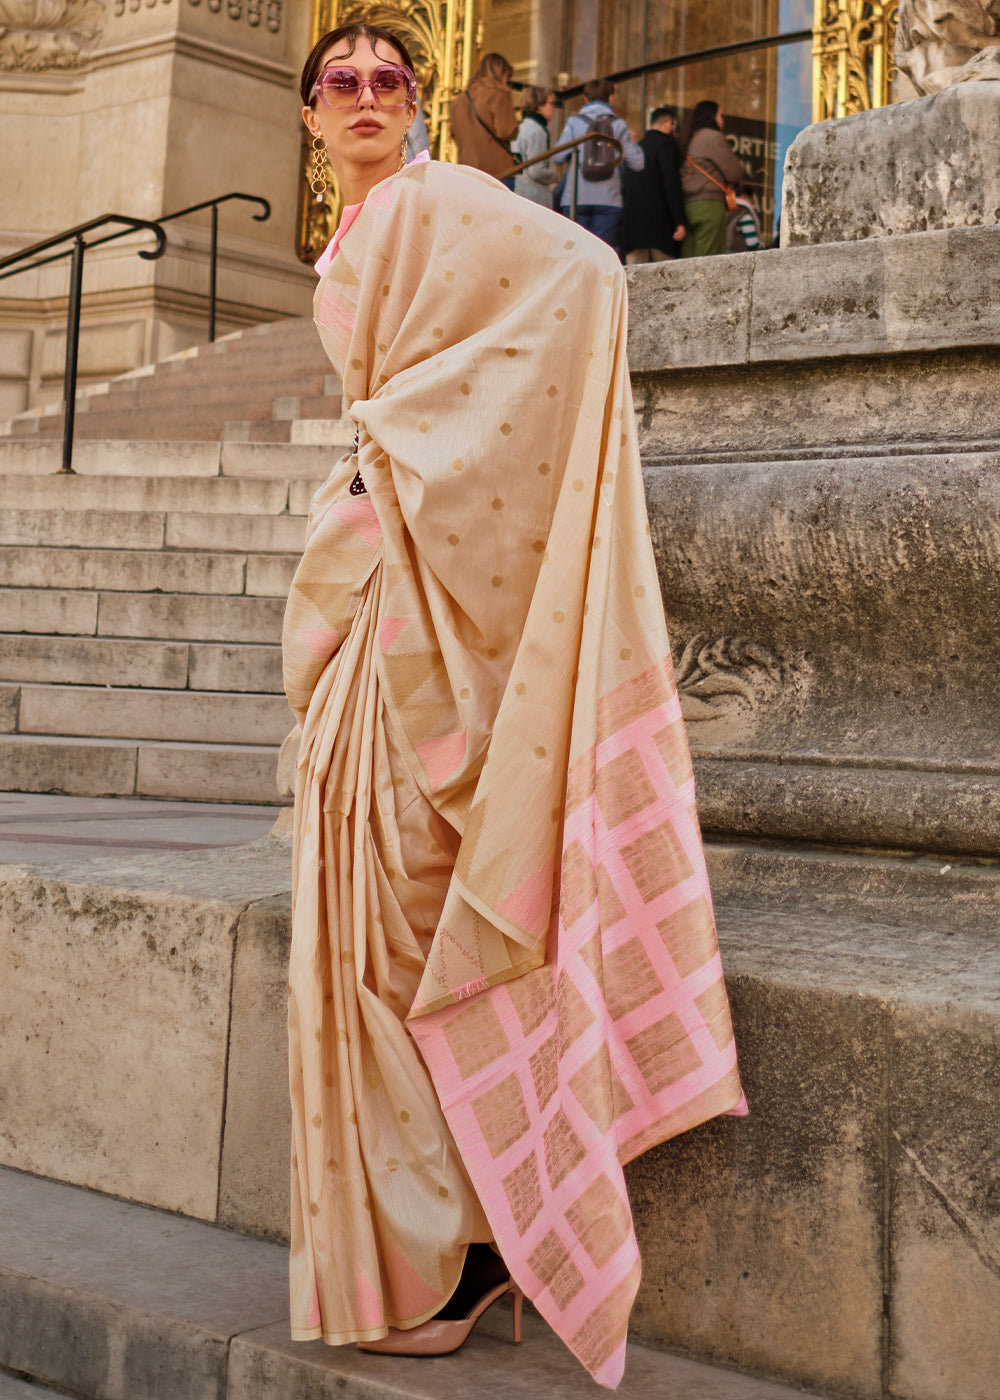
column 441, row 36
column 853, row 43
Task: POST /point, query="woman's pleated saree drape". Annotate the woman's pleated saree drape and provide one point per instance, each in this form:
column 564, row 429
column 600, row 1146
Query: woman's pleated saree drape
column 504, row 978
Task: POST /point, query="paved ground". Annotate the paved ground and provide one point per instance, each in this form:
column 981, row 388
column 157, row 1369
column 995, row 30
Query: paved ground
column 40, row 827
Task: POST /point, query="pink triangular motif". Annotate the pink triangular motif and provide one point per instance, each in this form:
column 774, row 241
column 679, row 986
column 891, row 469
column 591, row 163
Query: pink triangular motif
column 321, row 641
column 360, row 516
column 530, row 905
column 390, row 629
column 441, row 757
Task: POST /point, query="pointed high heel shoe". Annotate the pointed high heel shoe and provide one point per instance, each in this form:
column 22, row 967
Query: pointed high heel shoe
column 439, row 1336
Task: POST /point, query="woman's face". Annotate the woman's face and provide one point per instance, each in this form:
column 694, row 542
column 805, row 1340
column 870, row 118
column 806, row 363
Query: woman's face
column 718, row 119
column 366, row 134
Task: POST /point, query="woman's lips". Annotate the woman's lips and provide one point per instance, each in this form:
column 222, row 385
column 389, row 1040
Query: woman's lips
column 366, row 125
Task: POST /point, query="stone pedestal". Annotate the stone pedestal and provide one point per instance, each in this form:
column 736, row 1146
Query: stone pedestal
column 169, row 104
column 930, row 163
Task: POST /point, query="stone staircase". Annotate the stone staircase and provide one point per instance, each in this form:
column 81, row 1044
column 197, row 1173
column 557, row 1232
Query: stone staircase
column 141, row 598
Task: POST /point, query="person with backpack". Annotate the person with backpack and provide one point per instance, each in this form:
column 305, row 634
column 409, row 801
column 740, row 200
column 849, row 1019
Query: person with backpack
column 483, row 119
column 596, row 171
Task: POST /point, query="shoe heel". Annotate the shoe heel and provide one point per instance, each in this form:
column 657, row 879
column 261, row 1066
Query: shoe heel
column 517, row 1302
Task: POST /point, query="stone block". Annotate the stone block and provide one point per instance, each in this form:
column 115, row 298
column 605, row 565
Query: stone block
column 254, row 1189
column 279, row 534
column 300, row 494
column 93, row 661
column 269, row 575
column 115, row 1076
column 114, row 1300
column 50, row 610
column 241, row 668
column 209, row 495
column 208, row 772
column 810, row 407
column 924, row 164
column 202, row 716
column 77, row 767
column 94, row 529
column 29, row 459
column 945, row 1201
column 275, row 459
column 877, row 296
column 170, row 459
column 10, row 697
column 136, row 571
column 323, row 432
column 761, row 1237
column 689, row 313
column 191, row 616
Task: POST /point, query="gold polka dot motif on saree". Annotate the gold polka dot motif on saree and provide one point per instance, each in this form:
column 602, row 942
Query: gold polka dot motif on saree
column 505, row 282
column 506, row 429
column 457, row 465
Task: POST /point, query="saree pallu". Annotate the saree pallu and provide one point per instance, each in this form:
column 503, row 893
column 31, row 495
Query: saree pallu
column 505, row 982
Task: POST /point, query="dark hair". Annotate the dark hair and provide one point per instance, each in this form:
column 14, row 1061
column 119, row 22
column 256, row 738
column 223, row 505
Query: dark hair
column 598, row 90
column 534, row 97
column 658, row 113
column 704, row 115
column 494, row 65
column 313, row 65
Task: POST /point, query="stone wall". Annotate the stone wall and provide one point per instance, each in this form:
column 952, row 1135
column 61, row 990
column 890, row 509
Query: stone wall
column 165, row 105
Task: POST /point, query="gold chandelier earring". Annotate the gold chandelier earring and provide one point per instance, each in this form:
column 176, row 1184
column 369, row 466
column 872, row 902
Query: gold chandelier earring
column 318, row 168
column 402, row 155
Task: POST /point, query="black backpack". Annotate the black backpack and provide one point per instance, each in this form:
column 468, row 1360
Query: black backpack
column 600, row 158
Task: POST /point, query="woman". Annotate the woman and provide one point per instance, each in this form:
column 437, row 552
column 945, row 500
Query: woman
column 710, row 165
column 504, row 981
column 483, row 120
column 532, row 140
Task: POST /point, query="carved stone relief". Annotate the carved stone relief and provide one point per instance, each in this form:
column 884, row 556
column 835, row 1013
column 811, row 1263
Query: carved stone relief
column 940, row 42
column 722, row 676
column 36, row 35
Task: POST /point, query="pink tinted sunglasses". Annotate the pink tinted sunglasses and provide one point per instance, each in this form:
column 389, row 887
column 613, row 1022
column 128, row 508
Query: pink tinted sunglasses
column 391, row 85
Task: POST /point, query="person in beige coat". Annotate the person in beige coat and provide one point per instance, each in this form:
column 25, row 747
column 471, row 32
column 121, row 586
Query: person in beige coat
column 710, row 164
column 483, row 120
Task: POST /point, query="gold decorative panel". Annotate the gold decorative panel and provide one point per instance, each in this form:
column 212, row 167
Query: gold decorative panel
column 853, row 43
column 441, row 37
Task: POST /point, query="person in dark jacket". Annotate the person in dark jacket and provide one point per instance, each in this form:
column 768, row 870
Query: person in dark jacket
column 653, row 222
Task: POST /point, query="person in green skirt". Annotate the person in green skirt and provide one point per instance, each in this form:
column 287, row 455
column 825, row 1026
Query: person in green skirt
column 710, row 165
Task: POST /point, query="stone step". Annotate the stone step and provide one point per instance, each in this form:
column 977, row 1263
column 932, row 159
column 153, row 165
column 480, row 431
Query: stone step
column 130, row 571
column 120, row 1302
column 158, row 391
column 150, row 664
column 116, row 458
column 96, row 529
column 109, row 712
column 207, row 496
column 13, row 1389
column 189, row 617
column 323, row 432
column 88, row 767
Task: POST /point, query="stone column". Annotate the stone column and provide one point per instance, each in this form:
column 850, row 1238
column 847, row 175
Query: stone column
column 142, row 107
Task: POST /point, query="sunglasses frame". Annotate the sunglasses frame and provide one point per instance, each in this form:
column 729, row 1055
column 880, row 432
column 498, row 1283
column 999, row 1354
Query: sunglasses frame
column 319, row 87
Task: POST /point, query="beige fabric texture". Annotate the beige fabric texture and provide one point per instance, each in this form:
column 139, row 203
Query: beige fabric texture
column 477, row 653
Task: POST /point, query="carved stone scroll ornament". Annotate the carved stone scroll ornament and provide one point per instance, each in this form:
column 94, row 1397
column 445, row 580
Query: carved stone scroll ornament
column 36, row 35
column 718, row 677
column 940, row 42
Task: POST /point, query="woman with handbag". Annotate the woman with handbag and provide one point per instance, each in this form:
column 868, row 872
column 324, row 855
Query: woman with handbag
column 709, row 175
column 483, row 119
column 504, row 981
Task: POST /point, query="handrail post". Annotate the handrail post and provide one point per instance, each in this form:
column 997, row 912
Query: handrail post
column 72, row 349
column 211, row 275
column 573, row 161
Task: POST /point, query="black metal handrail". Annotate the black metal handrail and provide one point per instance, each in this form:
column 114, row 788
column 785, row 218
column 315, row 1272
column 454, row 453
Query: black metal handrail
column 76, row 252
column 570, row 145
column 15, row 263
column 213, row 204
column 681, row 60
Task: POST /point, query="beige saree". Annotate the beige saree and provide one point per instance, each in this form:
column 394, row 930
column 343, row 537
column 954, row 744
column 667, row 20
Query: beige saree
column 504, row 976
